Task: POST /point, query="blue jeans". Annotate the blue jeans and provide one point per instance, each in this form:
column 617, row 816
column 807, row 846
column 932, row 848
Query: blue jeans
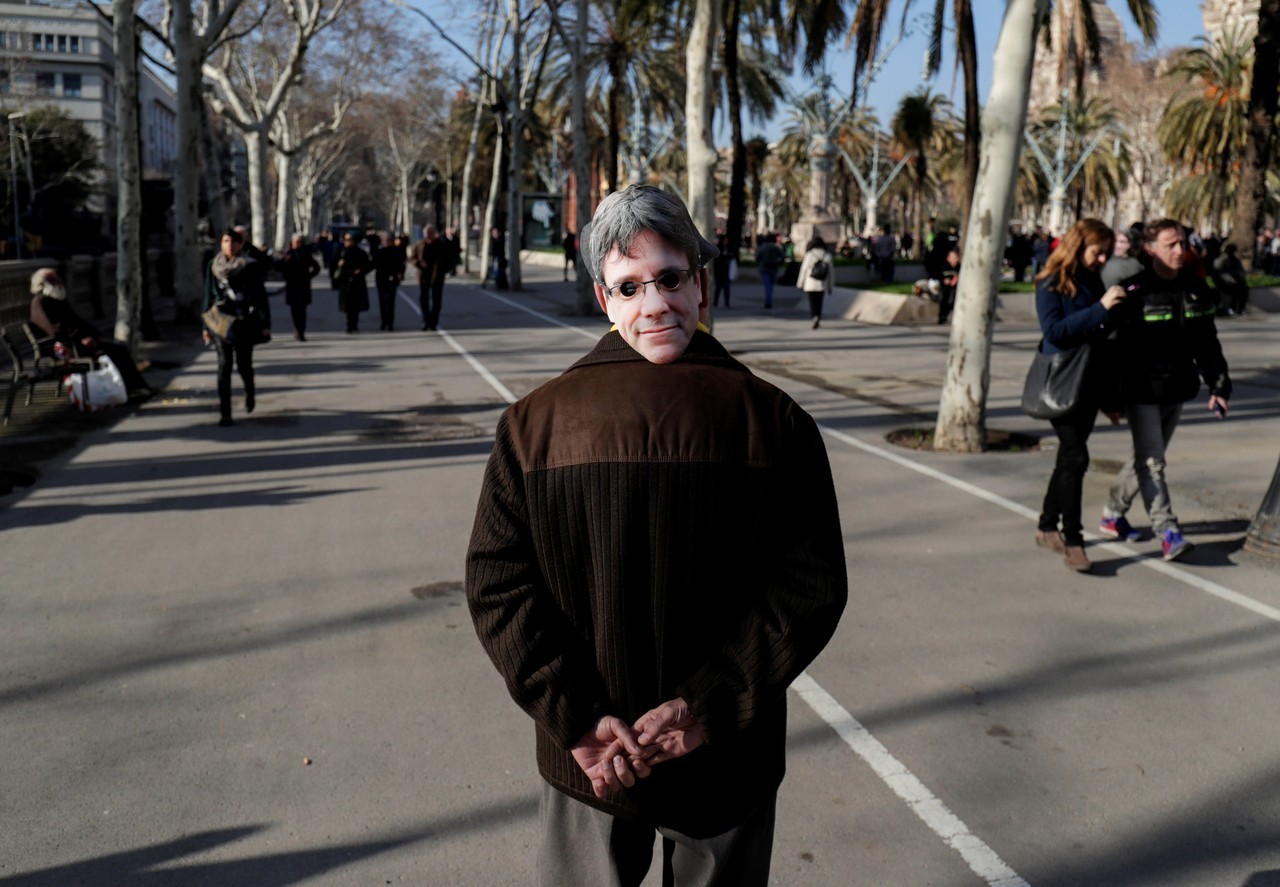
column 767, row 278
column 1152, row 426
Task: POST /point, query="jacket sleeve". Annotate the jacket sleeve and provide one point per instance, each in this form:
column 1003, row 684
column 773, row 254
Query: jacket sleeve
column 210, row 291
column 1060, row 328
column 802, row 276
column 830, row 281
column 549, row 671
column 802, row 593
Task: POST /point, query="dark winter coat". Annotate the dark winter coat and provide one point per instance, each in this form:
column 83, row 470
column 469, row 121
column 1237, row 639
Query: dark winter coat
column 647, row 532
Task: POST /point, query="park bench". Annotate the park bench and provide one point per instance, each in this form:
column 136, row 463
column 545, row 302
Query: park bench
column 32, row 361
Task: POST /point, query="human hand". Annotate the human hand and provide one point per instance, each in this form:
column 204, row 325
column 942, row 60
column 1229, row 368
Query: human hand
column 611, row 756
column 1113, row 297
column 1218, row 405
column 671, row 729
column 204, row 334
column 1115, row 416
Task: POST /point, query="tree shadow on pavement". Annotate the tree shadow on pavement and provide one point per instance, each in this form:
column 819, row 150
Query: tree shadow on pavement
column 139, row 867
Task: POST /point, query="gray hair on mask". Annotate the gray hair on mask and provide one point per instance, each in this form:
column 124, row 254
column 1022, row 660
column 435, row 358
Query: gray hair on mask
column 623, row 215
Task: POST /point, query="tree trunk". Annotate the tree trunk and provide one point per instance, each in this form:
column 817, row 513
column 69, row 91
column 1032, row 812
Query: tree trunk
column 966, row 48
column 962, row 410
column 582, row 156
column 467, row 167
column 738, row 170
column 255, row 149
column 697, row 111
column 286, row 184
column 1251, row 189
column 188, row 274
column 611, row 138
column 212, row 170
column 128, row 174
column 491, row 205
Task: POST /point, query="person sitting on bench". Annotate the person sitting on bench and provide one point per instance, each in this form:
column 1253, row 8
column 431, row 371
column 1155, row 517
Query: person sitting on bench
column 54, row 316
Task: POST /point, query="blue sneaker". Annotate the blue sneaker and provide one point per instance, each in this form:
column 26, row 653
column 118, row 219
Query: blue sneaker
column 1174, row 545
column 1118, row 528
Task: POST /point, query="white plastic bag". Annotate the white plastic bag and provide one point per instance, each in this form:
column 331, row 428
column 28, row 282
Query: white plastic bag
column 98, row 389
column 733, row 270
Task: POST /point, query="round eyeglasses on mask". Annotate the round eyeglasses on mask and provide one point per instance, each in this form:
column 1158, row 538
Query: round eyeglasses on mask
column 667, row 282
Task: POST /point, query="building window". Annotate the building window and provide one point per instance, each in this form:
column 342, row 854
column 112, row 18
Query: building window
column 62, row 43
column 4, row 82
column 71, row 84
column 75, row 44
column 44, row 84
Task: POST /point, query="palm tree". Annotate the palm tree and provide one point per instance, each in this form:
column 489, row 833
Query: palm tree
column 1251, row 186
column 746, row 76
column 1075, row 31
column 1205, row 127
column 914, row 126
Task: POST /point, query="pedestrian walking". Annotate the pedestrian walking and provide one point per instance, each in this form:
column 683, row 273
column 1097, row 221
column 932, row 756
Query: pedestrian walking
column 769, row 259
column 1074, row 311
column 884, row 248
column 657, row 678
column 948, row 281
column 721, row 281
column 497, row 271
column 1167, row 343
column 352, row 281
column 570, row 253
column 815, row 277
column 1124, row 262
column 1231, row 281
column 298, row 265
column 430, row 257
column 388, row 271
column 235, row 283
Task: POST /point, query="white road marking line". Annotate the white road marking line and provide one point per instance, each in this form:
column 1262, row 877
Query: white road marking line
column 1164, row 568
column 981, row 859
column 593, row 336
column 408, row 300
column 503, row 391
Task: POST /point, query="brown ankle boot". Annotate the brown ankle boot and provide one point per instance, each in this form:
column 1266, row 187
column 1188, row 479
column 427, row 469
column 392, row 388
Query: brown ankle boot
column 1075, row 559
column 1052, row 540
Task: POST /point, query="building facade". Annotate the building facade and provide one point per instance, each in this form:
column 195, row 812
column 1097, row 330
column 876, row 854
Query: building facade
column 63, row 56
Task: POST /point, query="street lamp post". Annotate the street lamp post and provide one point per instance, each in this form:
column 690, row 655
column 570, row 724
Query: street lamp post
column 13, row 186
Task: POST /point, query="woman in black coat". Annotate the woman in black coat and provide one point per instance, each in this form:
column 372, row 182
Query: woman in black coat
column 298, row 266
column 235, row 283
column 353, row 288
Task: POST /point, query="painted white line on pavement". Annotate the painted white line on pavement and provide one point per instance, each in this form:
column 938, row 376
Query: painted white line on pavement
column 593, row 336
column 981, row 859
column 1164, row 568
column 503, row 391
column 408, row 300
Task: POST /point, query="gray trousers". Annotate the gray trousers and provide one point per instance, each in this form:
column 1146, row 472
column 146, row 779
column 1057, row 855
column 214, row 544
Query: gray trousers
column 1152, row 426
column 585, row 847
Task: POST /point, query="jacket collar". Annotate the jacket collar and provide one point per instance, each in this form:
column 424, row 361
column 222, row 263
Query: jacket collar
column 612, row 348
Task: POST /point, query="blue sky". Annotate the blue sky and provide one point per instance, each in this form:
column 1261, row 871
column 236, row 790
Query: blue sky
column 1180, row 24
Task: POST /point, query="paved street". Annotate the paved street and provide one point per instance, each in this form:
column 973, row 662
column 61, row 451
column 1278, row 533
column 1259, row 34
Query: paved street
column 242, row 656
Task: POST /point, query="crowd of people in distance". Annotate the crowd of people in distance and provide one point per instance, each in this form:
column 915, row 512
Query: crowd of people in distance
column 235, row 285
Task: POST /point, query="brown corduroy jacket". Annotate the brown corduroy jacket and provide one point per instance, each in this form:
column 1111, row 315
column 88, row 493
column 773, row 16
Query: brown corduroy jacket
column 647, row 532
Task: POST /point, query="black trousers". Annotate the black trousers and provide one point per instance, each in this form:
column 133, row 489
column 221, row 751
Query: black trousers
column 1066, row 485
column 239, row 355
column 387, row 303
column 299, row 315
column 815, row 302
column 430, row 298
